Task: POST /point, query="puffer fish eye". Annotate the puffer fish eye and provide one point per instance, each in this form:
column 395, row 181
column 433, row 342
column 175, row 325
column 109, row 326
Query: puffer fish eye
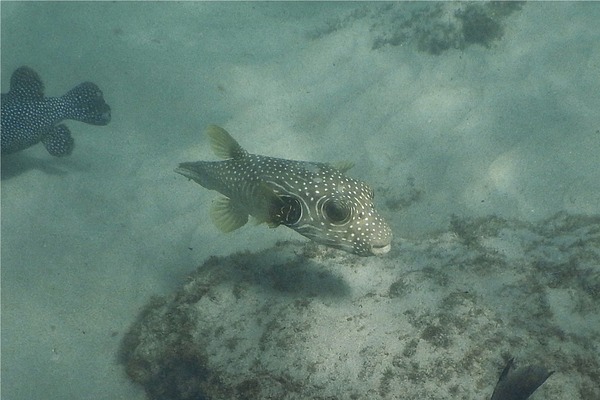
column 336, row 212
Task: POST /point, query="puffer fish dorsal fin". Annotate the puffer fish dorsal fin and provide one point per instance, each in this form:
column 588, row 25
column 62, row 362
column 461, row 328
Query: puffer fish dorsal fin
column 26, row 84
column 226, row 216
column 223, row 145
column 342, row 166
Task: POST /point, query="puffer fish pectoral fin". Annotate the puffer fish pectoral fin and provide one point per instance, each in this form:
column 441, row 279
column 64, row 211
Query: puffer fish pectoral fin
column 272, row 203
column 58, row 141
column 222, row 144
column 26, row 84
column 226, row 216
column 342, row 166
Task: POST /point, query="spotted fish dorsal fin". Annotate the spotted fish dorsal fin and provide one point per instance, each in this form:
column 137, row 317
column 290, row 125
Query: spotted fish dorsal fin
column 223, row 145
column 226, row 216
column 26, row 84
column 342, row 166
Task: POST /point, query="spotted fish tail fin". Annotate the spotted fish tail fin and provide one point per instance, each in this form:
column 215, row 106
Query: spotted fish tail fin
column 342, row 166
column 203, row 173
column 222, row 144
column 85, row 103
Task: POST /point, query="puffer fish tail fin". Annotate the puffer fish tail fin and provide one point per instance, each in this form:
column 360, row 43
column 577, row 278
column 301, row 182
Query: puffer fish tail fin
column 201, row 172
column 85, row 103
column 342, row 166
column 222, row 144
column 226, row 216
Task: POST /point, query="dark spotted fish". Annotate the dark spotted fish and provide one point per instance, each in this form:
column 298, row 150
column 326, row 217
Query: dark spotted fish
column 315, row 199
column 28, row 117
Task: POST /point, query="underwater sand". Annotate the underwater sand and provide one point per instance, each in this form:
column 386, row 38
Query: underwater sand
column 511, row 129
column 436, row 320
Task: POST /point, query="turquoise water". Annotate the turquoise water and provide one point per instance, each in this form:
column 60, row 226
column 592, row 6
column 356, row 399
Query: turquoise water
column 439, row 121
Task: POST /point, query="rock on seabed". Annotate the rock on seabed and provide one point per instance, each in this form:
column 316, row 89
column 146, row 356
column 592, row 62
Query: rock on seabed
column 436, row 318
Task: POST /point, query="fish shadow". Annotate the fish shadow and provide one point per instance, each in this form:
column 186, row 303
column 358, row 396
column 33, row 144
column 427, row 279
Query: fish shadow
column 283, row 270
column 14, row 165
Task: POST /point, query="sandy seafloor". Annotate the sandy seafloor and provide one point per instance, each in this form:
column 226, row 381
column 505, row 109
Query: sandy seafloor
column 511, row 129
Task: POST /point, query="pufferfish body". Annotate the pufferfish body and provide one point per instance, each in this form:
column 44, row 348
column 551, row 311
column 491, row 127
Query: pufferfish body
column 315, row 199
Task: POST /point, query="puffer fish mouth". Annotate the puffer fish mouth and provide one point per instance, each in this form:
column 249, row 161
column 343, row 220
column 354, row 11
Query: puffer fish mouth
column 381, row 249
